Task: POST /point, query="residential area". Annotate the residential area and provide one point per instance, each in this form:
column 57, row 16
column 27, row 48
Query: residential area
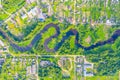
column 43, row 67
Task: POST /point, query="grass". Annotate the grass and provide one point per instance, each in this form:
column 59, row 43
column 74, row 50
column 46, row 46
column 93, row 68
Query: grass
column 102, row 78
column 19, row 21
column 72, row 42
column 12, row 5
column 51, row 31
column 52, row 43
column 13, row 29
column 3, row 15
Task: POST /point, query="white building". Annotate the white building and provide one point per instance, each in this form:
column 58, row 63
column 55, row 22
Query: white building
column 36, row 11
column 108, row 22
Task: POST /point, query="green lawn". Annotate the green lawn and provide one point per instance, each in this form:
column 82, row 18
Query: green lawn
column 102, row 78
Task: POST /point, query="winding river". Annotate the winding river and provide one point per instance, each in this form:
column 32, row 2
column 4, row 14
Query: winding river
column 71, row 32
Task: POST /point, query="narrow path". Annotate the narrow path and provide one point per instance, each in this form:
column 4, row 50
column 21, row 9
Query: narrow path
column 71, row 32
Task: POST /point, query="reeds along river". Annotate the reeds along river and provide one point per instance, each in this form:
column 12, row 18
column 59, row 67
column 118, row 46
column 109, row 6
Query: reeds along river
column 71, row 32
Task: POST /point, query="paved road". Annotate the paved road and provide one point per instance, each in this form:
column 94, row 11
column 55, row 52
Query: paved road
column 71, row 32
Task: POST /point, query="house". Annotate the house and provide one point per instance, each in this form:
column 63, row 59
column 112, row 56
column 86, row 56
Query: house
column 1, row 22
column 8, row 55
column 1, row 6
column 28, row 69
column 40, row 15
column 34, row 69
column 62, row 61
column 50, row 10
column 34, row 11
column 41, row 18
column 43, row 1
column 13, row 19
column 30, row 14
column 1, row 55
column 31, row 71
column 45, row 16
column 2, row 60
column 70, row 20
column 88, row 68
column 14, row 59
column 79, row 59
column 79, row 70
column 30, row 1
column 63, row 0
column 61, row 19
column 45, row 63
column 23, row 15
column 84, row 20
column 83, row 67
column 1, row 43
column 3, row 47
